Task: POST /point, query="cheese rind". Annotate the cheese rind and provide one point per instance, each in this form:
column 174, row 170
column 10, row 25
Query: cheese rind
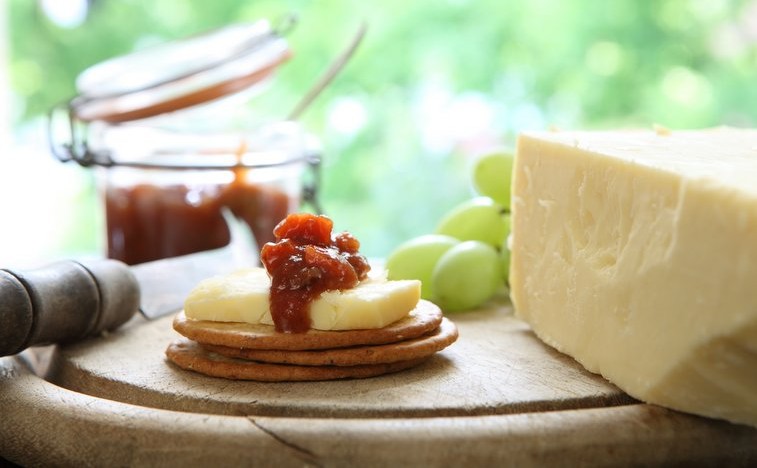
column 636, row 253
column 242, row 296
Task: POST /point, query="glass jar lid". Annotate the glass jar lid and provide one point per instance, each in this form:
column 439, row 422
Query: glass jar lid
column 179, row 74
column 162, row 79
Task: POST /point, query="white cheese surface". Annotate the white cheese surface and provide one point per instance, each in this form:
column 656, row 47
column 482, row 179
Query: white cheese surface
column 242, row 296
column 635, row 252
column 724, row 156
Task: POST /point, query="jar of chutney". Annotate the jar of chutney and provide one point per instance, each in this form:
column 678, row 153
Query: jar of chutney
column 176, row 159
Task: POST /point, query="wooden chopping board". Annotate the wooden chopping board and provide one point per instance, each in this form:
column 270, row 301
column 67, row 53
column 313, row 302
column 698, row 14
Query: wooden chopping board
column 498, row 396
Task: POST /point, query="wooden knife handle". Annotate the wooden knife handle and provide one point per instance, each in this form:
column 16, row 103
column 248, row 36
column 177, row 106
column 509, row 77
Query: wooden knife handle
column 64, row 302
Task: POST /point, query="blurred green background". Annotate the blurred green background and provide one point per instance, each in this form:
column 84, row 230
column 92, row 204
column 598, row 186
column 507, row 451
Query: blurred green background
column 434, row 84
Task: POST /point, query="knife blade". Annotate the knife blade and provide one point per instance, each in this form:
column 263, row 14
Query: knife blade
column 69, row 300
column 161, row 296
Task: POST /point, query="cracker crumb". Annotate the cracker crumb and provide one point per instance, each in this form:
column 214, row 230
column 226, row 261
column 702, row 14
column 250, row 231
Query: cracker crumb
column 661, row 130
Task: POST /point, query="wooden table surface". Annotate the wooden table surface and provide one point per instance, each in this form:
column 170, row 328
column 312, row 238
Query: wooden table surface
column 498, row 396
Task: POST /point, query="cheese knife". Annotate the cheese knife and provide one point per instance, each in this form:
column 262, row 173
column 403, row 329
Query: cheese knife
column 70, row 300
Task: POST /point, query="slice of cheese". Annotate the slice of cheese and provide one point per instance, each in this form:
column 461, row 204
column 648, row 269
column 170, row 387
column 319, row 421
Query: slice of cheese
column 242, row 296
column 636, row 253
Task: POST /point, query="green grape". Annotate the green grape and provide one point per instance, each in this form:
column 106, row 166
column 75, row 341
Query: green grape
column 492, row 177
column 504, row 255
column 466, row 276
column 504, row 259
column 480, row 219
column 416, row 258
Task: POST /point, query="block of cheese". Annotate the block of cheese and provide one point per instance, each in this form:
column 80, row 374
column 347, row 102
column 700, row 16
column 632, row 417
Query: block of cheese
column 242, row 296
column 635, row 252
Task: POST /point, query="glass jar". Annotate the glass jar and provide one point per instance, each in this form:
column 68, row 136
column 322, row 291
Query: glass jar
column 173, row 168
column 180, row 199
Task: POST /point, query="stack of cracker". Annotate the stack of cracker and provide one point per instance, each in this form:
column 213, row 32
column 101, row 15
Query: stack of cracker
column 244, row 351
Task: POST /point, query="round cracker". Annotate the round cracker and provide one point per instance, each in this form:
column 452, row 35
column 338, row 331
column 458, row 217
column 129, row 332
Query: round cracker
column 414, row 348
column 189, row 355
column 425, row 317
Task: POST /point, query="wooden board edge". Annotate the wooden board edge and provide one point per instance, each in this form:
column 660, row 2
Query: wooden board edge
column 44, row 424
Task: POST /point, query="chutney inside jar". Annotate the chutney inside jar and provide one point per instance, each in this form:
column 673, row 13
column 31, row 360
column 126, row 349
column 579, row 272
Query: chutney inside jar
column 159, row 213
column 168, row 189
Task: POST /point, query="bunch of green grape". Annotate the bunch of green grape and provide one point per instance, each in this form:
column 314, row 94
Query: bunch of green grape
column 466, row 260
